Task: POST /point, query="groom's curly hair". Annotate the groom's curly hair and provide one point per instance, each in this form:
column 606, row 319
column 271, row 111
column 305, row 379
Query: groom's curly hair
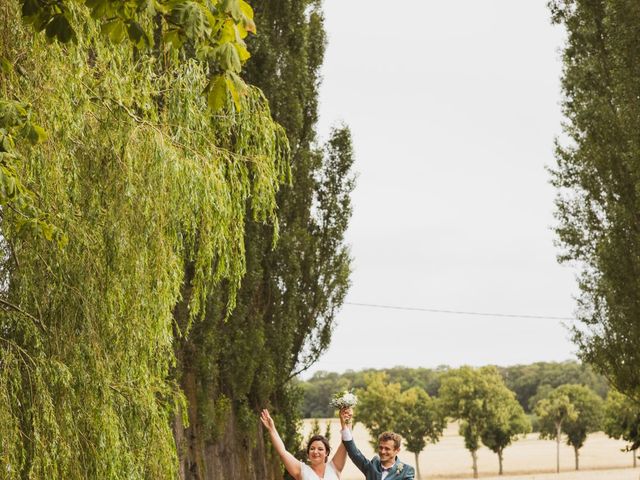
column 386, row 436
column 325, row 442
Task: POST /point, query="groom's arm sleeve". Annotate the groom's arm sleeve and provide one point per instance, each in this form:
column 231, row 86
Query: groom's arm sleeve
column 411, row 474
column 355, row 455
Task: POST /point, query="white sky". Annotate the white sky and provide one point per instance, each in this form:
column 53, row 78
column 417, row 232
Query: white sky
column 453, row 107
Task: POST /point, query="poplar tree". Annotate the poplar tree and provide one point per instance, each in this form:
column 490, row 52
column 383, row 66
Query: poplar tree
column 597, row 177
column 231, row 365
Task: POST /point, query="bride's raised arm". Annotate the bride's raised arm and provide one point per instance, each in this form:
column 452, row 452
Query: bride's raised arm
column 291, row 463
column 340, row 457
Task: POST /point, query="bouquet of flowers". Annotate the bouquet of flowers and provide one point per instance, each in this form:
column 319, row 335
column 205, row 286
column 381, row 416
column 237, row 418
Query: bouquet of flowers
column 345, row 399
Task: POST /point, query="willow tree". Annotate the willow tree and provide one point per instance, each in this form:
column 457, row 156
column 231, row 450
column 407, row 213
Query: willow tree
column 288, row 299
column 598, row 179
column 113, row 145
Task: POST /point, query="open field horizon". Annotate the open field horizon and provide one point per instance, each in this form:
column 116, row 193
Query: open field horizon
column 528, row 458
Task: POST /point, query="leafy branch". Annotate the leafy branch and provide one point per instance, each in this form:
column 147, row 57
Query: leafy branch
column 214, row 29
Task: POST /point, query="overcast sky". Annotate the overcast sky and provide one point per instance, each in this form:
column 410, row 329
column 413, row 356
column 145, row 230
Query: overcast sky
column 453, row 107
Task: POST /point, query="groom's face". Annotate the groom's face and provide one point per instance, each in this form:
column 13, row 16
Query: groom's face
column 387, row 451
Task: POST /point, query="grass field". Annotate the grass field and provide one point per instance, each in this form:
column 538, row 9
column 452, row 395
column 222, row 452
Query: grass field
column 527, row 459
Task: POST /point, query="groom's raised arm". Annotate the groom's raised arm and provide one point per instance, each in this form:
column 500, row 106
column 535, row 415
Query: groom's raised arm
column 355, row 455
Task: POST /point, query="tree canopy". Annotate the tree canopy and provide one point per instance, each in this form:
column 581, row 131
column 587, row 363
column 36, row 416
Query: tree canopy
column 419, row 419
column 622, row 420
column 529, row 382
column 574, row 410
column 480, row 400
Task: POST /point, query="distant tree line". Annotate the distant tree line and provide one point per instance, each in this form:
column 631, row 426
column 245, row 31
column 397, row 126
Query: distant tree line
column 487, row 410
column 528, row 382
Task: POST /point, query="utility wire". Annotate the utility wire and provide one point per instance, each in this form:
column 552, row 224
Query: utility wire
column 457, row 312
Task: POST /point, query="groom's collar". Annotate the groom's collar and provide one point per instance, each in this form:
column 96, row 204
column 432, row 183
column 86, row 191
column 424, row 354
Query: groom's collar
column 395, row 462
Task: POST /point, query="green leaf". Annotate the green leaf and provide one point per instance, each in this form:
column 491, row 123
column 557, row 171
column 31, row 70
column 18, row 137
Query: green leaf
column 160, row 7
column 190, row 17
column 228, row 32
column 6, row 66
column 46, row 229
column 99, row 8
column 243, row 53
column 30, row 8
column 12, row 114
column 60, row 28
column 172, row 38
column 205, row 52
column 228, row 57
column 36, row 134
column 247, row 17
column 7, row 185
column 234, row 92
column 217, row 97
column 232, row 7
column 115, row 30
column 211, row 21
column 138, row 35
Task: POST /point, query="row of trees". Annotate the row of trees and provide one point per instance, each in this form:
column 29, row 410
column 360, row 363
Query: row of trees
column 529, row 382
column 489, row 413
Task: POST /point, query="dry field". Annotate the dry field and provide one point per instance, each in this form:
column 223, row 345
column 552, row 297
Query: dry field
column 526, row 459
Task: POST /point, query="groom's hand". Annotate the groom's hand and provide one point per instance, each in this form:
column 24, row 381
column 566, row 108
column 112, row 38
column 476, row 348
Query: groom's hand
column 346, row 415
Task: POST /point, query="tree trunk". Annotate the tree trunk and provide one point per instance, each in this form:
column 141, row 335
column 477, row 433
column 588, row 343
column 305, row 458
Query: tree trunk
column 499, row 462
column 474, row 456
column 186, row 436
column 233, row 454
column 418, row 476
column 575, row 451
column 635, row 457
column 558, row 432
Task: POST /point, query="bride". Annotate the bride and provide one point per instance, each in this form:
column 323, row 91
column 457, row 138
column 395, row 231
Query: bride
column 317, row 453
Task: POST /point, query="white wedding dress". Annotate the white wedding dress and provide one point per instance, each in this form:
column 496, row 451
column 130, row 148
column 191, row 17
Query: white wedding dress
column 330, row 473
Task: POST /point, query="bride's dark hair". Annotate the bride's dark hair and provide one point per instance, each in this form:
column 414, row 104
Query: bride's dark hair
column 325, row 442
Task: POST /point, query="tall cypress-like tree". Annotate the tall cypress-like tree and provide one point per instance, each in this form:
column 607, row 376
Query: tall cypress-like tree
column 598, row 180
column 289, row 296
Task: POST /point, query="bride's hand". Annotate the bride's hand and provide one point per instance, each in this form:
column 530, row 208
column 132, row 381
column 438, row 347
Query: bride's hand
column 267, row 421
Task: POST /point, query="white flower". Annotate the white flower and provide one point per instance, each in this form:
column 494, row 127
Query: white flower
column 344, row 399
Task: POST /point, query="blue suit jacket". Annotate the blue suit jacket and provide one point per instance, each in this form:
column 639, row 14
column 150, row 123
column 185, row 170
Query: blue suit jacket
column 372, row 469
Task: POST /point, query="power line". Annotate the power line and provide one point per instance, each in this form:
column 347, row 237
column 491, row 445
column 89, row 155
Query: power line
column 458, row 312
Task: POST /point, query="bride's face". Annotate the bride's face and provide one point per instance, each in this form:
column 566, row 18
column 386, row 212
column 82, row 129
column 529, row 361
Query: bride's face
column 317, row 452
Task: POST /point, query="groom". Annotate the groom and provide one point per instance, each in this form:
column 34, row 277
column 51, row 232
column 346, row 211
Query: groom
column 384, row 466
